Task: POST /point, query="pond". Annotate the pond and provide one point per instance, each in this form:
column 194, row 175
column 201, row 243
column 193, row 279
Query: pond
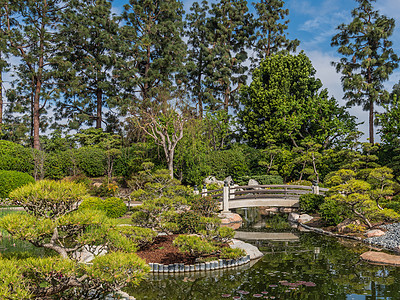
column 308, row 267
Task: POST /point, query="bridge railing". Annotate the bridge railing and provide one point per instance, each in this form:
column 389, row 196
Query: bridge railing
column 250, row 193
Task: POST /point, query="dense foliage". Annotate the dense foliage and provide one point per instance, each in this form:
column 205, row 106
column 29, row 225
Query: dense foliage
column 10, row 180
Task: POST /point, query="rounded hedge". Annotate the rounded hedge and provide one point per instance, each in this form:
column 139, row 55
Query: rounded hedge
column 14, row 157
column 10, row 180
column 113, row 207
column 91, row 161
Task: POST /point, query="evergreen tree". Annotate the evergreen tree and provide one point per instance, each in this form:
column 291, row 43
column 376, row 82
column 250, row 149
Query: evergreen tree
column 89, row 36
column 271, row 25
column 368, row 58
column 197, row 32
column 231, row 29
column 152, row 50
column 30, row 36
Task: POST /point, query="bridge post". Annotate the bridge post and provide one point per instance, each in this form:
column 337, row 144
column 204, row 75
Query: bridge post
column 204, row 191
column 195, row 190
column 225, row 198
column 315, row 187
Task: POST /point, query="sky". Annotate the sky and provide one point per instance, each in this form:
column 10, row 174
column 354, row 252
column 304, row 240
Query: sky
column 314, row 23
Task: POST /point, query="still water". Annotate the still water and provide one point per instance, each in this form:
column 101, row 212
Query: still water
column 308, row 267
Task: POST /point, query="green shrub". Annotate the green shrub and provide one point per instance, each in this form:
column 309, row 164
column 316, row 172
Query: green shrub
column 91, row 161
column 59, row 164
column 93, row 203
column 188, row 222
column 104, row 190
column 332, row 213
column 140, row 236
column 205, row 206
column 10, row 180
column 14, row 157
column 261, row 179
column 194, row 245
column 225, row 234
column 229, row 253
column 309, row 203
column 114, row 207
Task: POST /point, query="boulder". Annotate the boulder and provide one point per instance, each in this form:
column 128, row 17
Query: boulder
column 293, row 217
column 381, row 258
column 253, row 182
column 88, row 253
column 304, row 218
column 229, row 180
column 213, row 180
column 248, row 248
column 373, row 233
column 231, row 220
column 343, row 227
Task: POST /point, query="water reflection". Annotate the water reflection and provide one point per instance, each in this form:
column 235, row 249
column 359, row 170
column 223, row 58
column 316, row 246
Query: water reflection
column 313, row 267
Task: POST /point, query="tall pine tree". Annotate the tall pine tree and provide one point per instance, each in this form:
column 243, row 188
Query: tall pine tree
column 88, row 34
column 152, row 51
column 30, row 36
column 368, row 58
column 230, row 32
column 270, row 30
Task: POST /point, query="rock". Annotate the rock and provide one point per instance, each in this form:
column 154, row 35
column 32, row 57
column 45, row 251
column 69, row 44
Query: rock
column 229, row 180
column 381, row 258
column 120, row 295
column 88, row 253
column 272, row 210
column 248, row 248
column 253, row 182
column 343, row 227
column 373, row 233
column 213, row 180
column 97, row 184
column 287, row 209
column 293, row 217
column 304, row 218
column 231, row 220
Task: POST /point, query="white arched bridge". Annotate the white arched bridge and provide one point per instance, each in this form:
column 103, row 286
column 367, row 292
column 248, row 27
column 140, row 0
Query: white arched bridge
column 261, row 195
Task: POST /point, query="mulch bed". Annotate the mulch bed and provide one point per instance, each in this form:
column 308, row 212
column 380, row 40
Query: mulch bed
column 163, row 252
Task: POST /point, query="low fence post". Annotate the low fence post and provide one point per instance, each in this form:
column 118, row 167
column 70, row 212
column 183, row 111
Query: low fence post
column 204, row 191
column 225, row 198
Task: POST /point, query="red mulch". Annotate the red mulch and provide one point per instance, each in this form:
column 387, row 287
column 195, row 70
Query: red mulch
column 163, row 252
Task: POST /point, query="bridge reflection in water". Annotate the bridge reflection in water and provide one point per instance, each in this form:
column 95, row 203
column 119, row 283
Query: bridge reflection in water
column 267, row 236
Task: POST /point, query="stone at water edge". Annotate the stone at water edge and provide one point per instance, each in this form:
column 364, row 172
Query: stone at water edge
column 343, row 227
column 381, row 258
column 248, row 248
column 374, row 233
column 213, row 180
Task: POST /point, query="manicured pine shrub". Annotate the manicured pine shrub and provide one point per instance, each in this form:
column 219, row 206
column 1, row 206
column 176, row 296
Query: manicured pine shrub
column 113, row 207
column 10, row 180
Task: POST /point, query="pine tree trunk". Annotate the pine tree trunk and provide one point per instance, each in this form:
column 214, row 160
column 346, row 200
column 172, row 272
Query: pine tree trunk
column 1, row 95
column 36, row 115
column 371, row 122
column 99, row 102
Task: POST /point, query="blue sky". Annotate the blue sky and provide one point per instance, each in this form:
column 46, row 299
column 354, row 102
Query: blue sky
column 314, row 22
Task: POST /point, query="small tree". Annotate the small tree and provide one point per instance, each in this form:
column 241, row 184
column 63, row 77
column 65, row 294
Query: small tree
column 51, row 221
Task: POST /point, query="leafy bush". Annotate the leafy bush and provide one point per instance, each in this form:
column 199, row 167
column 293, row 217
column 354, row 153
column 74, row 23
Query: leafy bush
column 194, row 245
column 104, row 190
column 332, row 213
column 58, row 165
column 94, row 203
column 188, row 222
column 10, row 180
column 230, row 253
column 261, row 179
column 14, row 157
column 140, row 236
column 114, row 207
column 91, row 161
column 309, row 203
